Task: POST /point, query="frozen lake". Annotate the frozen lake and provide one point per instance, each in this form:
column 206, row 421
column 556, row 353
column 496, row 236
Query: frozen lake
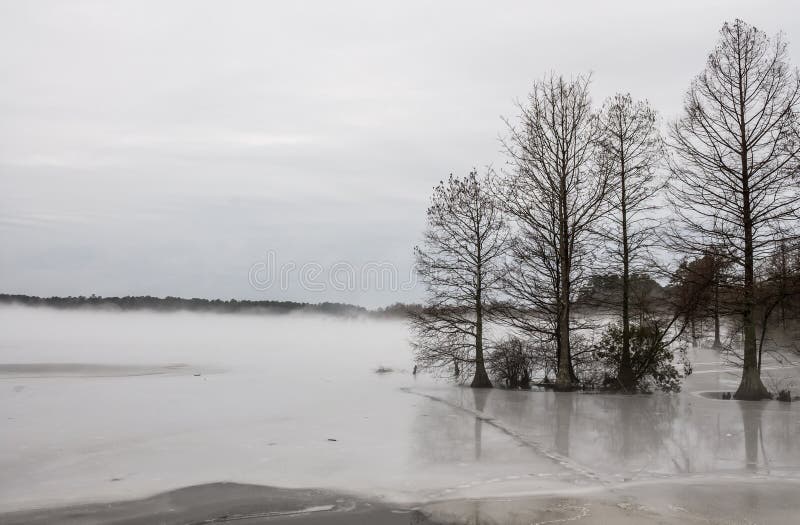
column 108, row 406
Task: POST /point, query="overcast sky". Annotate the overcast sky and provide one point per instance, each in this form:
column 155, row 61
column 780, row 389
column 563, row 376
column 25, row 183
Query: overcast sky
column 166, row 148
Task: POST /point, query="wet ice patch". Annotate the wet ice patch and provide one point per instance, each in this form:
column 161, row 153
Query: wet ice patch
column 86, row 370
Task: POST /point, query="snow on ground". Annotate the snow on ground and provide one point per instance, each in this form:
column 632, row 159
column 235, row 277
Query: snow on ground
column 103, row 406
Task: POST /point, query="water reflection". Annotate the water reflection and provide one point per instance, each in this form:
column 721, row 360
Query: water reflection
column 480, row 397
column 564, row 407
column 751, row 422
column 614, row 436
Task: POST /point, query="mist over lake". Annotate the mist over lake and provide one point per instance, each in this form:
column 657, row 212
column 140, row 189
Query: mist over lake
column 100, row 406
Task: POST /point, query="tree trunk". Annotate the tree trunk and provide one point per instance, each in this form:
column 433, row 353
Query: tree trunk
column 565, row 374
column 625, row 375
column 751, row 387
column 717, row 341
column 481, row 379
column 782, row 292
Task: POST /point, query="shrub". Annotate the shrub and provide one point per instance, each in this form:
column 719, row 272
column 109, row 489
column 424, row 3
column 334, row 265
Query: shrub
column 784, row 395
column 652, row 360
column 512, row 361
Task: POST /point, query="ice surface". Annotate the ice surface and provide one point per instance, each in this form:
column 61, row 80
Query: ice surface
column 101, row 406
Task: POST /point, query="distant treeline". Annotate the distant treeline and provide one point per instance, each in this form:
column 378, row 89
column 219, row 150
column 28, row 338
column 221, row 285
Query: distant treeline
column 173, row 304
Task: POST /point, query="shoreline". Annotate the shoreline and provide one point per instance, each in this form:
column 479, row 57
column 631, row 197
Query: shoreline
column 224, row 502
column 691, row 500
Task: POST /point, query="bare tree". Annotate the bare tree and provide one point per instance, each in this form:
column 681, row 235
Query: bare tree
column 735, row 163
column 459, row 260
column 631, row 150
column 777, row 286
column 555, row 194
column 718, row 266
column 695, row 292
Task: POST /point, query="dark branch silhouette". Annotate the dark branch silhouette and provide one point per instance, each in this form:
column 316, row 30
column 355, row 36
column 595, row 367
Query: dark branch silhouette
column 735, row 164
column 459, row 262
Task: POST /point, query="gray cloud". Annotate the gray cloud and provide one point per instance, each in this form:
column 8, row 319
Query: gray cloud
column 164, row 147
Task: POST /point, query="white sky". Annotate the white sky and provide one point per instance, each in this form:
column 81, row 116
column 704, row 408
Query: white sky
column 165, row 147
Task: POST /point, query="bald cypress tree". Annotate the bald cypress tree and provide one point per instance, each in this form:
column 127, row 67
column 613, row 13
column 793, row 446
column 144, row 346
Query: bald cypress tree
column 459, row 262
column 555, row 194
column 631, row 150
column 734, row 177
